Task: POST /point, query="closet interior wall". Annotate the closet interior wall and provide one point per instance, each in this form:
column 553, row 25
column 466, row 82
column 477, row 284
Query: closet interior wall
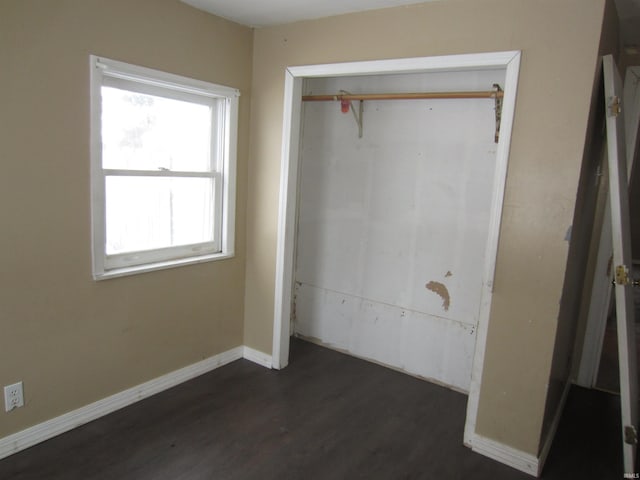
column 393, row 226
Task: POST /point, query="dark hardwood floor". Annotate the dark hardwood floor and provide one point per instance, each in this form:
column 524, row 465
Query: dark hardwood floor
column 326, row 416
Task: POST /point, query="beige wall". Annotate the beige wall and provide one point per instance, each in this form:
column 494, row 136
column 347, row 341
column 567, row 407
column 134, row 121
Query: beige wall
column 73, row 341
column 559, row 41
column 70, row 339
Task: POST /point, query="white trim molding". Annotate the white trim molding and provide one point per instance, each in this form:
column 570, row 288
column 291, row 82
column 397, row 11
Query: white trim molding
column 512, row 66
column 222, row 123
column 256, row 356
column 525, row 462
column 63, row 423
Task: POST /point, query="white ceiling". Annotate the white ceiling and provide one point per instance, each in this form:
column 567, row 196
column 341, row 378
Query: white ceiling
column 262, row 13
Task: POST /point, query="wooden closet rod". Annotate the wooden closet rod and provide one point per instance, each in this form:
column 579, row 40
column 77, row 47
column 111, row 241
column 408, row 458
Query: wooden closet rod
column 402, row 96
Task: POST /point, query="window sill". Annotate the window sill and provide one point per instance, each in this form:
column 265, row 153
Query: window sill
column 151, row 267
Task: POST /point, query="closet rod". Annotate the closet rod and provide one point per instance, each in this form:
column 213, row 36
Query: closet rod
column 402, row 96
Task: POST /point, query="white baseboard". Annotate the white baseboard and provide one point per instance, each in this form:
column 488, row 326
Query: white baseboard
column 518, row 459
column 51, row 428
column 258, row 357
column 525, row 462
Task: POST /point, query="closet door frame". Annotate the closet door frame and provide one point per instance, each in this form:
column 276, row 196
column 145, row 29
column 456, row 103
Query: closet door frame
column 289, row 185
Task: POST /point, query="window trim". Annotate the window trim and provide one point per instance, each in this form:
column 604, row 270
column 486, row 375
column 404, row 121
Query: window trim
column 178, row 87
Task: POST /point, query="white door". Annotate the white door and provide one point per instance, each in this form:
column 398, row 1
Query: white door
column 618, row 195
column 601, row 289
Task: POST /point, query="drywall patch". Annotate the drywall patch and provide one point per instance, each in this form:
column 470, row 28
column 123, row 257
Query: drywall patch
column 441, row 290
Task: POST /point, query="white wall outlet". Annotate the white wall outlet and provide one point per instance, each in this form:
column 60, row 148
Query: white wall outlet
column 13, row 396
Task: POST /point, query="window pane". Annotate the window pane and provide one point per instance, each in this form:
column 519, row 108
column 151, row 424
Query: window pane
column 145, row 213
column 147, row 132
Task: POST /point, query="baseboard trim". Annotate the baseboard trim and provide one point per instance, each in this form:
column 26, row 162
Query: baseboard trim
column 525, row 462
column 51, row 428
column 257, row 356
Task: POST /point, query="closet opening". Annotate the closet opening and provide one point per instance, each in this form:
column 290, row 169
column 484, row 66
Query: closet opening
column 388, row 226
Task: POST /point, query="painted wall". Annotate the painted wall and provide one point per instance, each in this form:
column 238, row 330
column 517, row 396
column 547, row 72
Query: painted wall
column 393, row 226
column 559, row 41
column 70, row 339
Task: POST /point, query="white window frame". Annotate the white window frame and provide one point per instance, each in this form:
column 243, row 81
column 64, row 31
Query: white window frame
column 107, row 72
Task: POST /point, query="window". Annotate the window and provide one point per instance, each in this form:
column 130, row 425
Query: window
column 162, row 168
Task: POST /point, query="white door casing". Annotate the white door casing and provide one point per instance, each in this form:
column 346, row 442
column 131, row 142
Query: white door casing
column 510, row 61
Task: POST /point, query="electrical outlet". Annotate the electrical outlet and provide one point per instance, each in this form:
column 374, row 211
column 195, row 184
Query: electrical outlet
column 13, row 396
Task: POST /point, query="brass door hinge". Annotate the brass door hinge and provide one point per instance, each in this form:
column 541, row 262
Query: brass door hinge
column 622, row 275
column 630, row 435
column 615, row 107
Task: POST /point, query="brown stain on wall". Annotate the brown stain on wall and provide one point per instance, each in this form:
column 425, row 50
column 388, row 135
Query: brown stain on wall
column 441, row 290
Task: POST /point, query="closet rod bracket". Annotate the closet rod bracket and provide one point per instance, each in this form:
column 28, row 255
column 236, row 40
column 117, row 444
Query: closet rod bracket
column 497, row 95
column 346, row 101
column 348, row 105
